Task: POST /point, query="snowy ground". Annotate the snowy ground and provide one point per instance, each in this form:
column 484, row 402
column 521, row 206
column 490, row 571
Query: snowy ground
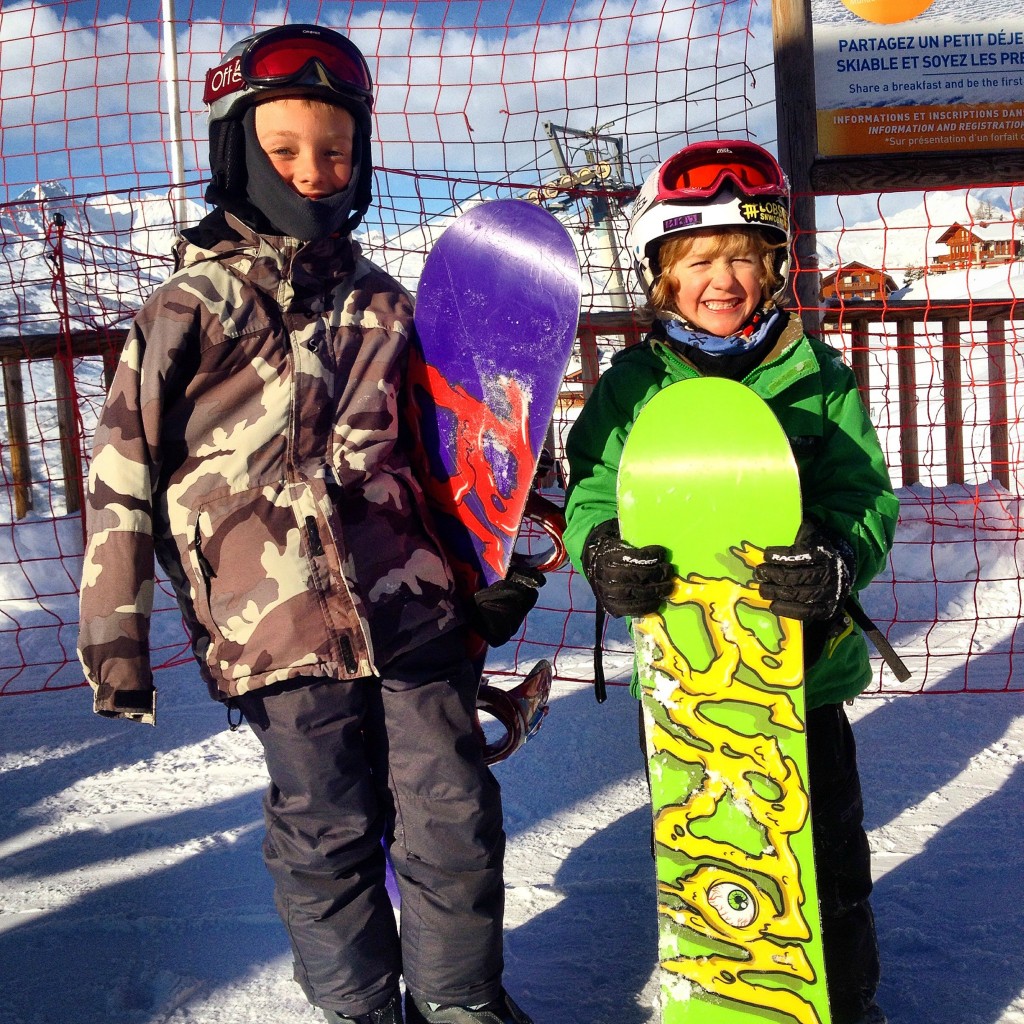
column 132, row 891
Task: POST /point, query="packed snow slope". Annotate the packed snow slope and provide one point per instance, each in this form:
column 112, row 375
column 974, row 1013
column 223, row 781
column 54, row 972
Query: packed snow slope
column 132, row 889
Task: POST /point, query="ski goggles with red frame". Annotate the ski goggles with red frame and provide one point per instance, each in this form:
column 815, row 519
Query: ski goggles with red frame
column 294, row 55
column 700, row 171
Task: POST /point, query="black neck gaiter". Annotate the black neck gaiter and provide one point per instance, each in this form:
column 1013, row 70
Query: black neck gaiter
column 288, row 212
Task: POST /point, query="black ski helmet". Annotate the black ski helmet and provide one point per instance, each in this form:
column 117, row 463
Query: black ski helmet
column 291, row 60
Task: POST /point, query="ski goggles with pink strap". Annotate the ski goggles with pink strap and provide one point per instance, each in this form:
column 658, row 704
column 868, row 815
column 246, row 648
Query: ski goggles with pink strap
column 700, row 171
column 294, row 55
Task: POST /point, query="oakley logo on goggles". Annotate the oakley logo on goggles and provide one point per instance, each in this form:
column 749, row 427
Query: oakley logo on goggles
column 700, row 171
column 291, row 55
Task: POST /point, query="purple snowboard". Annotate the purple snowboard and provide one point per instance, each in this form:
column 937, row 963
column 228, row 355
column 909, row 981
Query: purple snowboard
column 496, row 311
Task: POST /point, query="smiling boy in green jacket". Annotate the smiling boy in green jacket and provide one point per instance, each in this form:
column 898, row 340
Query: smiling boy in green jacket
column 710, row 238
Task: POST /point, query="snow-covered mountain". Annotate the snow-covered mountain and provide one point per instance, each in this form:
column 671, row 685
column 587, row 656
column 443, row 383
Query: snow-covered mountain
column 116, row 249
column 113, row 251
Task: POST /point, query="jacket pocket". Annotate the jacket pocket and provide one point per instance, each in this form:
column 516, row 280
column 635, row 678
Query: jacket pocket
column 255, row 584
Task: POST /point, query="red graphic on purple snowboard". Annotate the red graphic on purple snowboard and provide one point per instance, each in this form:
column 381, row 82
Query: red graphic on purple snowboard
column 496, row 313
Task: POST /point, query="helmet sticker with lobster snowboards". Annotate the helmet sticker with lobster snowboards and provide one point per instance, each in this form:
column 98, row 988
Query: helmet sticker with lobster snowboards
column 768, row 211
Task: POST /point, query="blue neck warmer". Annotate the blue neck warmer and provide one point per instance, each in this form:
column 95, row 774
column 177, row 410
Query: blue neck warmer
column 761, row 324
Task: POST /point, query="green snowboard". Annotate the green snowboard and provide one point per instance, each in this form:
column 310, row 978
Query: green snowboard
column 708, row 473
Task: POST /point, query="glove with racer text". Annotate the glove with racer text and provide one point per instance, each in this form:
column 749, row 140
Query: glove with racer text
column 809, row 580
column 627, row 580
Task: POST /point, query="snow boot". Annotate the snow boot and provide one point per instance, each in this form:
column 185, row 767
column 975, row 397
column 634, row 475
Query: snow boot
column 498, row 1011
column 390, row 1013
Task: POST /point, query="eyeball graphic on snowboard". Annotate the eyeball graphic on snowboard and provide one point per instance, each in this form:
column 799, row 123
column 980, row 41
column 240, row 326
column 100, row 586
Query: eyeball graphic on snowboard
column 736, row 905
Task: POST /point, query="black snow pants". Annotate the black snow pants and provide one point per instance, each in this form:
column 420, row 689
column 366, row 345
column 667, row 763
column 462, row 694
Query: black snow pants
column 394, row 758
column 843, row 863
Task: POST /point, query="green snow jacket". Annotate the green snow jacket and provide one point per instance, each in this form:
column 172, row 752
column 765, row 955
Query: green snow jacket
column 843, row 476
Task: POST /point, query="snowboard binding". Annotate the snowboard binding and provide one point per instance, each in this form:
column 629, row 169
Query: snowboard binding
column 520, row 711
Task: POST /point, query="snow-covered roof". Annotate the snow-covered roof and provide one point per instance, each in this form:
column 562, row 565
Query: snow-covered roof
column 984, row 231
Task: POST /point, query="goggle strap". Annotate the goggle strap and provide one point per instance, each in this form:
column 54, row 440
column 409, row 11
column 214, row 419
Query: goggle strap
column 223, row 80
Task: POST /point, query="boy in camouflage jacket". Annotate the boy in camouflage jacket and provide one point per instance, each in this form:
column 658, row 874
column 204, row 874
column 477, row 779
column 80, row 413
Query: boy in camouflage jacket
column 252, row 442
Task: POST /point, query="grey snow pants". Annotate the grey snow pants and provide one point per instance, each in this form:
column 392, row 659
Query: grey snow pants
column 352, row 762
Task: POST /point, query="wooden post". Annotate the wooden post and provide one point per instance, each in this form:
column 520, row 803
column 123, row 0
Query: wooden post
column 590, row 360
column 110, row 360
column 997, row 405
column 67, row 427
column 797, row 134
column 860, row 337
column 906, row 375
column 952, row 401
column 17, row 436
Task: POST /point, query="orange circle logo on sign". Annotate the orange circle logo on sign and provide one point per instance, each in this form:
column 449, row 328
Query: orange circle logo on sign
column 887, row 12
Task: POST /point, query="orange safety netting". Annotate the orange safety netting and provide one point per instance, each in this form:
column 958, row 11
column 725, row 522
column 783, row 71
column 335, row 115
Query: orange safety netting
column 565, row 104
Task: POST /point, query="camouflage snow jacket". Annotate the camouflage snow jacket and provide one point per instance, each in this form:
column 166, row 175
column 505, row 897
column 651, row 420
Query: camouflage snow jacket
column 252, row 442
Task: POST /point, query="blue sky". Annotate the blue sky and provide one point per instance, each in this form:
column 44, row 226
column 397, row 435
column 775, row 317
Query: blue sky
column 463, row 87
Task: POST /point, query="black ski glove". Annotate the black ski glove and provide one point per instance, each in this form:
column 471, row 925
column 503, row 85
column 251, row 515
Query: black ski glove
column 627, row 580
column 497, row 611
column 810, row 580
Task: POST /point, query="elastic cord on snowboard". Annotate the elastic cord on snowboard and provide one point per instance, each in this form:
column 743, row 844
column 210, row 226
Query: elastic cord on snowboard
column 600, row 690
column 885, row 650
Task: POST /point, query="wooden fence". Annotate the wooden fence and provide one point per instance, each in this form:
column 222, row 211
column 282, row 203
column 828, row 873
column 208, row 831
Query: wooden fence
column 61, row 351
column 954, row 318
column 855, row 328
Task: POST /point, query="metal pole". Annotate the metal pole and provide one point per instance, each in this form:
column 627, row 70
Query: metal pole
column 601, row 207
column 603, row 210
column 173, row 111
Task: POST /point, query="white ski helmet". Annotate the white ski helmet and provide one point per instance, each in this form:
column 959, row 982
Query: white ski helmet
column 715, row 184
